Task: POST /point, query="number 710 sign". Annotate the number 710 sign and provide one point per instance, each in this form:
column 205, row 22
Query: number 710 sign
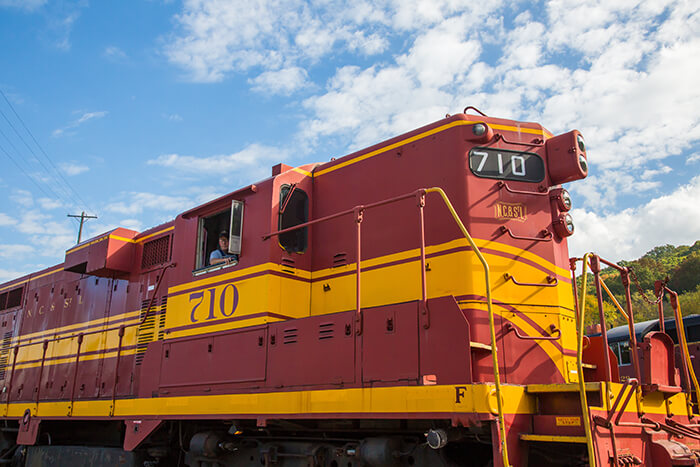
column 506, row 165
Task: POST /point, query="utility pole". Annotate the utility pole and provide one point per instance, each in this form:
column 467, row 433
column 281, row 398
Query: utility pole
column 83, row 218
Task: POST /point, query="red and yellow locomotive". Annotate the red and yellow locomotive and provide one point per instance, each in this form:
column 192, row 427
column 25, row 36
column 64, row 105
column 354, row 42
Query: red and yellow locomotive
column 407, row 304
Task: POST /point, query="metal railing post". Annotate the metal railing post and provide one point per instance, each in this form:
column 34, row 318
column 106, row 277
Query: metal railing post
column 359, row 214
column 585, row 412
column 595, row 267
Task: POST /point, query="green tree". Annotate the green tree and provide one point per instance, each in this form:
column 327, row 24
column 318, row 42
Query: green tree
column 687, row 276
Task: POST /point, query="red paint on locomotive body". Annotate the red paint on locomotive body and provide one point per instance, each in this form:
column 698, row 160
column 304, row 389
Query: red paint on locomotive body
column 137, row 318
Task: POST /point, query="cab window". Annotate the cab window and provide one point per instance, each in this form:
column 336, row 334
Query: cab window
column 294, row 210
column 228, row 223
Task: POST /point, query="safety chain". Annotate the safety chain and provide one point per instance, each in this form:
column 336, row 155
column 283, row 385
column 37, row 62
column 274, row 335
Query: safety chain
column 639, row 287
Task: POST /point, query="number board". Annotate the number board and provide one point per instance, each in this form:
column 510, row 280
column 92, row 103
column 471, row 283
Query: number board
column 506, row 165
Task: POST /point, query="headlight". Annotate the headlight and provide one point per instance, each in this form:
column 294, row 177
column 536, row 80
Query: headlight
column 564, row 225
column 562, row 198
column 581, row 144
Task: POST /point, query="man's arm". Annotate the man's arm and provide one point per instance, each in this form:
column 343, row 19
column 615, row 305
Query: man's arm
column 217, row 258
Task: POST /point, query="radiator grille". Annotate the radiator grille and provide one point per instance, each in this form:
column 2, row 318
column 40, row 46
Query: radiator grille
column 153, row 328
column 156, row 252
column 5, row 353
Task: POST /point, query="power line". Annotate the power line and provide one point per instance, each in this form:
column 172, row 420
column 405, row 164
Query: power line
column 31, row 179
column 57, row 196
column 41, row 149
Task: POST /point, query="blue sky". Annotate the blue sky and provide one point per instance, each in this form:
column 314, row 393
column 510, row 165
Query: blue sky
column 144, row 109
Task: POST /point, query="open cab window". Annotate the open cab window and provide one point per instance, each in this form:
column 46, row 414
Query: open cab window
column 228, row 222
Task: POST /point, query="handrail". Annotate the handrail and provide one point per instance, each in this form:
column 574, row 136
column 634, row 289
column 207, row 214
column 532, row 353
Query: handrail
column 535, row 142
column 492, row 325
column 585, row 411
column 546, row 238
column 614, row 300
column 551, row 281
column 509, row 327
column 676, row 305
column 503, row 184
column 629, row 317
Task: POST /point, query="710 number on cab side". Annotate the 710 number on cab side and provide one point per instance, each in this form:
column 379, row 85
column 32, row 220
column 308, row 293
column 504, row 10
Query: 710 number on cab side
column 506, row 165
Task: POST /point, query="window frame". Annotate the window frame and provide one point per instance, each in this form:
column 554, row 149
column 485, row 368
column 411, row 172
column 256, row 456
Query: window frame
column 201, row 254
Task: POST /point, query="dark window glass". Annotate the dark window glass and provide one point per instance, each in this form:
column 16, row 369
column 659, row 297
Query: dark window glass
column 294, row 210
column 625, row 353
column 210, row 229
column 693, row 333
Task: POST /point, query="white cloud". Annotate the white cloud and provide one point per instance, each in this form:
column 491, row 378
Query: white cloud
column 16, row 251
column 8, row 275
column 254, row 161
column 49, row 237
column 74, row 169
column 6, row 220
column 27, row 5
column 218, row 37
column 172, row 117
column 86, row 116
column 628, row 234
column 115, row 53
column 649, row 173
column 284, row 81
column 137, row 202
column 22, row 197
column 48, row 203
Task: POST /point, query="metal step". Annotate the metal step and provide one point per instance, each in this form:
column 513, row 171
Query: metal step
column 480, row 346
column 553, row 438
column 564, row 387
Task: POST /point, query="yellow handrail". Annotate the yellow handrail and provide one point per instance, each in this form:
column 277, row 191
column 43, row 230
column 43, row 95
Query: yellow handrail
column 579, row 366
column 686, row 352
column 614, row 300
column 492, row 325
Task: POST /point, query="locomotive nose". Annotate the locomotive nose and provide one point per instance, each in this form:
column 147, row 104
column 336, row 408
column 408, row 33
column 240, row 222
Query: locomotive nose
column 566, row 158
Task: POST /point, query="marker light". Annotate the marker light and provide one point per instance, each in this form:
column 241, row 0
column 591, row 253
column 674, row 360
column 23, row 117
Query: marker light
column 479, row 129
column 562, row 198
column 564, row 225
column 581, row 144
column 479, row 132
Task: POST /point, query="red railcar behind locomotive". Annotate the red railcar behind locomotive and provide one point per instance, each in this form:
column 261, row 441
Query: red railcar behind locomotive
column 408, row 304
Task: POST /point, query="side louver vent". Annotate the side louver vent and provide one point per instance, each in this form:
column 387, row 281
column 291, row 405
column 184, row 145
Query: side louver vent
column 155, row 252
column 151, row 329
column 288, row 266
column 290, row 336
column 340, row 259
column 325, row 331
column 5, row 353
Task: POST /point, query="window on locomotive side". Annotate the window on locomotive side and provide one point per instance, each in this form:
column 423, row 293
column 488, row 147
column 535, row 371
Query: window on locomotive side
column 624, row 355
column 294, row 210
column 211, row 228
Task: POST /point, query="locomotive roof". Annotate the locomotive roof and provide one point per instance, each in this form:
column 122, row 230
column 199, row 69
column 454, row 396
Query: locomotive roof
column 621, row 333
